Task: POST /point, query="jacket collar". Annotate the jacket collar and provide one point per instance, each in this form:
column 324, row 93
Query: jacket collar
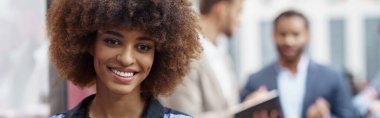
column 153, row 109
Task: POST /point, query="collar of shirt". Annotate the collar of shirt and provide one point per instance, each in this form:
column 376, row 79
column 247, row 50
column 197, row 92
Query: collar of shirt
column 210, row 50
column 301, row 67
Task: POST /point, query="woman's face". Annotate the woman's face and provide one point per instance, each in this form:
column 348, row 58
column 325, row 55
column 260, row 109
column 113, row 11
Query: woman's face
column 122, row 59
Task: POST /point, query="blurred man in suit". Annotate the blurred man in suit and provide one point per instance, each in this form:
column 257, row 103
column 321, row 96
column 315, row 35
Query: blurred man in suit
column 210, row 90
column 307, row 89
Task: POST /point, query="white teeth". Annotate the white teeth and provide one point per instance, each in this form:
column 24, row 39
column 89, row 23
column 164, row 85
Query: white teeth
column 122, row 74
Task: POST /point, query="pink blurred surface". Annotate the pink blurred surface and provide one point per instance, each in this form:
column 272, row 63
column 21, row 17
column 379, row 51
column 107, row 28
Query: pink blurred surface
column 76, row 94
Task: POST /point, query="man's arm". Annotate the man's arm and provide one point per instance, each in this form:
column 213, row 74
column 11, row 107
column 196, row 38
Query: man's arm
column 188, row 98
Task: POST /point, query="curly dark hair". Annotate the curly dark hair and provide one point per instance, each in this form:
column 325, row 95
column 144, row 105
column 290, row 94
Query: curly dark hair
column 73, row 24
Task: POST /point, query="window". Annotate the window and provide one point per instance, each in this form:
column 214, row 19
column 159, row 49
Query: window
column 268, row 50
column 337, row 43
column 371, row 35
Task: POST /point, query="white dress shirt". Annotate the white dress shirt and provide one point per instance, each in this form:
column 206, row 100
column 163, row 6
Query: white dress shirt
column 218, row 59
column 292, row 88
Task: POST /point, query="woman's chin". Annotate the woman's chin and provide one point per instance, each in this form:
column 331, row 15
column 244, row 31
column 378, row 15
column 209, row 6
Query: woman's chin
column 122, row 89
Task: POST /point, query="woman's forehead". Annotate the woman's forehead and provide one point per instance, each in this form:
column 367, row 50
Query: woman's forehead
column 123, row 29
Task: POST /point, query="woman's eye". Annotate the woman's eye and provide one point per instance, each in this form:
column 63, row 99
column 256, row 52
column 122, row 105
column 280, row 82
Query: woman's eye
column 112, row 42
column 144, row 48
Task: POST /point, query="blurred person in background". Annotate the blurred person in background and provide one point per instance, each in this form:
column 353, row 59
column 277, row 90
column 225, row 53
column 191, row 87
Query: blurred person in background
column 355, row 86
column 307, row 89
column 133, row 51
column 24, row 63
column 367, row 102
column 211, row 90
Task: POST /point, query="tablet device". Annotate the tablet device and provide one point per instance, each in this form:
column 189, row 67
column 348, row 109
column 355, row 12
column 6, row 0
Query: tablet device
column 269, row 101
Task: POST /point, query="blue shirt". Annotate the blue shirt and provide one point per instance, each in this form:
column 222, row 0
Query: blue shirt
column 154, row 109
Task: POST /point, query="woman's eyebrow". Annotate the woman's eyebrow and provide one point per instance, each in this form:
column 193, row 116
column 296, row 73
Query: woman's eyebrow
column 114, row 33
column 146, row 38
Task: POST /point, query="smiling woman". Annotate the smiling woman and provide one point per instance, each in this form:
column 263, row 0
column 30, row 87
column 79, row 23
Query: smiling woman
column 122, row 59
column 133, row 50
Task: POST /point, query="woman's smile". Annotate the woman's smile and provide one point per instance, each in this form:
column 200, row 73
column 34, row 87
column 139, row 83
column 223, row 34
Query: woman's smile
column 124, row 76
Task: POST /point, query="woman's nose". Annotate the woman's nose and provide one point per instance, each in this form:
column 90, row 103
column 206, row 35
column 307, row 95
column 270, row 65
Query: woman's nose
column 126, row 57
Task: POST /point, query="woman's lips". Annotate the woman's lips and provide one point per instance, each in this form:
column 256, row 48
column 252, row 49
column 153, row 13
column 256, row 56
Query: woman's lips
column 123, row 74
column 124, row 77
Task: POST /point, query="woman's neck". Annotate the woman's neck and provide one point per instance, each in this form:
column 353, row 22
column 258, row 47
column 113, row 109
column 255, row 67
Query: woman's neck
column 110, row 105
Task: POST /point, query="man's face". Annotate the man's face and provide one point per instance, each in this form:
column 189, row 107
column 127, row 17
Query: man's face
column 232, row 17
column 291, row 36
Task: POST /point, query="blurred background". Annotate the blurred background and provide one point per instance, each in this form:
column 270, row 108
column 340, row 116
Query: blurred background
column 345, row 35
column 24, row 64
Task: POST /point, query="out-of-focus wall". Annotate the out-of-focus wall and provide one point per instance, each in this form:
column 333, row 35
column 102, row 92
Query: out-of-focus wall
column 23, row 59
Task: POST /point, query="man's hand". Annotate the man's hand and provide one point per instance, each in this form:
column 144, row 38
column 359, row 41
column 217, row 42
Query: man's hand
column 371, row 93
column 255, row 95
column 374, row 108
column 320, row 109
column 265, row 114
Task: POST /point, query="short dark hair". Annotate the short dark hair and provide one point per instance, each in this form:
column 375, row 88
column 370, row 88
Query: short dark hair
column 72, row 26
column 206, row 5
column 291, row 13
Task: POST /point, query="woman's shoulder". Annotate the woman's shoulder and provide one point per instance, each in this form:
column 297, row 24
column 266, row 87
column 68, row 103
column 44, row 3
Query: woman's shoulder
column 156, row 110
column 170, row 113
column 58, row 116
column 79, row 111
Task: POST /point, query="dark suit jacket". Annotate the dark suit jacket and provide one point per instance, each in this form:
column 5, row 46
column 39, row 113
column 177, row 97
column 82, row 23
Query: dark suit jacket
column 320, row 82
